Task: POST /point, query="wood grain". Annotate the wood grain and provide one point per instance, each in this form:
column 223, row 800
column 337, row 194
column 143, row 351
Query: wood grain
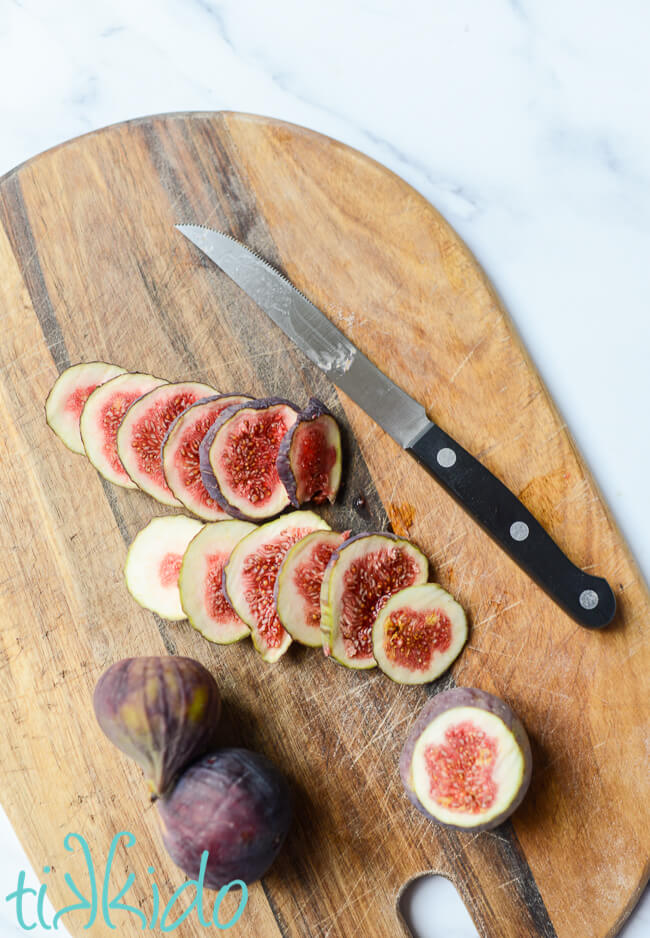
column 92, row 268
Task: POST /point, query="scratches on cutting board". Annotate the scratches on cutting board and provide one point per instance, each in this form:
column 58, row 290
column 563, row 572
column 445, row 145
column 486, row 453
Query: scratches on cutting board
column 13, row 214
column 321, row 213
column 466, row 359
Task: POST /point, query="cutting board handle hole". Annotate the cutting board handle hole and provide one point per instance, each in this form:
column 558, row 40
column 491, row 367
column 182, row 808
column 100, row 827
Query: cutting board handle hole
column 432, row 908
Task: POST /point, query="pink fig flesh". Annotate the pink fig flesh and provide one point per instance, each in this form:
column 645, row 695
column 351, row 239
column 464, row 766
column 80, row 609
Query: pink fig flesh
column 142, row 431
column 251, row 572
column 201, row 581
column 101, row 417
column 298, row 585
column 467, row 762
column 68, row 396
column 238, row 458
column 180, row 454
column 309, row 457
column 361, row 576
column 418, row 633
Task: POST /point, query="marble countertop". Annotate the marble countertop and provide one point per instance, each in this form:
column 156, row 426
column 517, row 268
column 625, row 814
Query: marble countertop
column 523, row 121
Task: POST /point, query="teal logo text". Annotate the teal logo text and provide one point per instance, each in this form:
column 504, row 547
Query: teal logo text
column 95, row 898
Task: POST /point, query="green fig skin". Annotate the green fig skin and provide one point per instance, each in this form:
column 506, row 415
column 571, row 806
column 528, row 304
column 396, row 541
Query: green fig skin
column 162, row 712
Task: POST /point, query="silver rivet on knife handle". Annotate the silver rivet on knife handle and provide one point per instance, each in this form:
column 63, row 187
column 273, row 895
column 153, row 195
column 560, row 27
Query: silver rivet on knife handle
column 587, row 598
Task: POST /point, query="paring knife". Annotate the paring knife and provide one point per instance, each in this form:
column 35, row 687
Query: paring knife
column 588, row 599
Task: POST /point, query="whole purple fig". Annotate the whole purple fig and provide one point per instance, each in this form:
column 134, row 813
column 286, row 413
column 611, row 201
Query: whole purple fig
column 161, row 711
column 236, row 805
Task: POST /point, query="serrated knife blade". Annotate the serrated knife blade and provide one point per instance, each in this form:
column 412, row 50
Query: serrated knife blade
column 588, row 599
column 398, row 414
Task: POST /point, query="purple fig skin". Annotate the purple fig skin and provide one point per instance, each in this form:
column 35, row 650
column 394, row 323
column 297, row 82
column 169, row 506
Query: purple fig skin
column 357, row 537
column 389, row 534
column 162, row 712
column 467, row 697
column 207, row 473
column 203, row 400
column 312, row 411
column 236, row 805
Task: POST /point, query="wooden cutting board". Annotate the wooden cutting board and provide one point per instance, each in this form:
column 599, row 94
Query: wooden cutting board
column 92, row 268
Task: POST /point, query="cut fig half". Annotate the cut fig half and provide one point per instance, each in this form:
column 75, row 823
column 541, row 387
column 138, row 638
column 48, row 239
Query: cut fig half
column 69, row 393
column 309, row 457
column 154, row 561
column 201, row 582
column 361, row 576
column 142, row 431
column 163, row 712
column 251, row 572
column 467, row 762
column 238, row 458
column 297, row 588
column 180, row 454
column 101, row 417
column 418, row 634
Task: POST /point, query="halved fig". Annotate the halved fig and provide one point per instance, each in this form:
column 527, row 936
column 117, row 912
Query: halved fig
column 101, row 418
column 238, row 456
column 143, row 429
column 467, row 762
column 154, row 562
column 180, row 454
column 418, row 634
column 309, row 458
column 361, row 576
column 297, row 588
column 69, row 393
column 250, row 574
column 201, row 582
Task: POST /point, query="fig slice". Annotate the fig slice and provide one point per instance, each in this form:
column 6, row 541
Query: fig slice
column 309, row 457
column 161, row 711
column 142, row 431
column 238, row 458
column 418, row 633
column 467, row 762
column 201, row 582
column 250, row 574
column 297, row 588
column 234, row 804
column 101, row 418
column 68, row 395
column 362, row 574
column 154, row 561
column 180, row 454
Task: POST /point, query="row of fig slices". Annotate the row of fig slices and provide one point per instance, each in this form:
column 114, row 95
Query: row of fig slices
column 230, row 456
column 186, row 445
column 363, row 599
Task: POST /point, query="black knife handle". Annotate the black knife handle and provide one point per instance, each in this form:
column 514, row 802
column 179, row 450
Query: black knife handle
column 588, row 599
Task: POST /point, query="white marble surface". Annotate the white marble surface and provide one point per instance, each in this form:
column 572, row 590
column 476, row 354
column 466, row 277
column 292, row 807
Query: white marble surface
column 524, row 121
